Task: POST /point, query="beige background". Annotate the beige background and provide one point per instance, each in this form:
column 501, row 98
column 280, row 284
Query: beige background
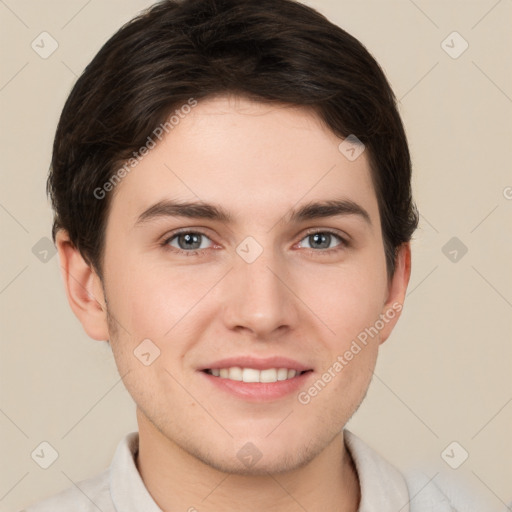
column 445, row 373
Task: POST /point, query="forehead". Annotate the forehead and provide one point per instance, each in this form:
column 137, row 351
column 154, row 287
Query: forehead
column 256, row 159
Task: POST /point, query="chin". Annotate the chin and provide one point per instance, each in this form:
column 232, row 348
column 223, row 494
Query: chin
column 270, row 464
column 257, row 458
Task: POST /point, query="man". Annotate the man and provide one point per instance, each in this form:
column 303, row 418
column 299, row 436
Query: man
column 233, row 211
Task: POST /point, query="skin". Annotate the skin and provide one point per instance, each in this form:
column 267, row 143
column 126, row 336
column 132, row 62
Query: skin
column 295, row 300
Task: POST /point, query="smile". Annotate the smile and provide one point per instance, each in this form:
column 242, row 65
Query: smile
column 268, row 375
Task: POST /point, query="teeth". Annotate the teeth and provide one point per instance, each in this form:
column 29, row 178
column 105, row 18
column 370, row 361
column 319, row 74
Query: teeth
column 269, row 375
column 235, row 373
column 282, row 374
column 248, row 375
column 253, row 375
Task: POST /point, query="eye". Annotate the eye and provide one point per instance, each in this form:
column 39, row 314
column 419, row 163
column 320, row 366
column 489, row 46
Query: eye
column 187, row 241
column 190, row 243
column 323, row 240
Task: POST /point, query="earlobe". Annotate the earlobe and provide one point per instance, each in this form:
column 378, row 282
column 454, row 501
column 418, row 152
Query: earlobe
column 397, row 290
column 83, row 289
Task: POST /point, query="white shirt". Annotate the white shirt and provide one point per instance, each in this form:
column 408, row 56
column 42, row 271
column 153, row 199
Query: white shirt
column 120, row 487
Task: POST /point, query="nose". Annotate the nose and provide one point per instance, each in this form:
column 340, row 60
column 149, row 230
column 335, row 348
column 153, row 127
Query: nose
column 260, row 298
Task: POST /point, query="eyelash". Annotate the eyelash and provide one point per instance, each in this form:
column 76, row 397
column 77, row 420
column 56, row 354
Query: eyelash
column 199, row 252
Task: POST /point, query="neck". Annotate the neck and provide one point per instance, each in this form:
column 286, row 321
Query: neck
column 178, row 480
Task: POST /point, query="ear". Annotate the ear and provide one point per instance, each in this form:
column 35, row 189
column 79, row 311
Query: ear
column 83, row 288
column 397, row 289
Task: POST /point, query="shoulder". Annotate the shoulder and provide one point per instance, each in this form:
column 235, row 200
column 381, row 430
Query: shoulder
column 88, row 495
column 384, row 487
column 443, row 492
column 96, row 493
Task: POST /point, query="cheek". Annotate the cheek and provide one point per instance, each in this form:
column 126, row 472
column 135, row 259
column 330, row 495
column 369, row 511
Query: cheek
column 347, row 300
column 152, row 299
column 351, row 305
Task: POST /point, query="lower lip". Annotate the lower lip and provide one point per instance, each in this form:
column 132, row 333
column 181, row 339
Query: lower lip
column 259, row 391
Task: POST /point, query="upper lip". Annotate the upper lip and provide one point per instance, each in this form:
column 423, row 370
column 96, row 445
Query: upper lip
column 258, row 363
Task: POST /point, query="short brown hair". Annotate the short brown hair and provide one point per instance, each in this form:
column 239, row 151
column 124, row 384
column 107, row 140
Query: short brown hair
column 267, row 50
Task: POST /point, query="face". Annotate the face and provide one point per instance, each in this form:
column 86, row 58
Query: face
column 273, row 284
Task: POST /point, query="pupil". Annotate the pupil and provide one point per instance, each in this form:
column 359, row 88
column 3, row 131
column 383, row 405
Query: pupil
column 318, row 237
column 190, row 239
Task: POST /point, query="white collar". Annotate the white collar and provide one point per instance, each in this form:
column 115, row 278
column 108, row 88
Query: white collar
column 383, row 489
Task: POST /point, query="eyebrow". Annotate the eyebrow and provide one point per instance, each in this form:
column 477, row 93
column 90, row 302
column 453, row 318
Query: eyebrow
column 203, row 210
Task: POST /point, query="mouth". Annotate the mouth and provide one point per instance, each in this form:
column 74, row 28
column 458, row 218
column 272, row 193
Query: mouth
column 256, row 379
column 253, row 375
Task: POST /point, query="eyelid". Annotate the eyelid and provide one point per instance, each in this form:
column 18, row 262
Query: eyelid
column 166, row 239
column 341, row 234
column 345, row 240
